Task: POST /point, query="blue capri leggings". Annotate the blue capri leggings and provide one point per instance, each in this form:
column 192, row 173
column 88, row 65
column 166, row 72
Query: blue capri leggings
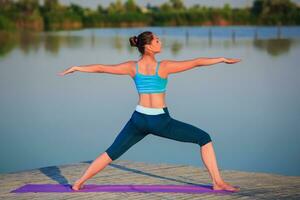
column 163, row 125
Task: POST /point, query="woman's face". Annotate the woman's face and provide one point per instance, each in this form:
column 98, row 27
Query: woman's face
column 155, row 45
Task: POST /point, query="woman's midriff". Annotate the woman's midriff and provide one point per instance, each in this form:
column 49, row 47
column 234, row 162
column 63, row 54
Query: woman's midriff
column 153, row 100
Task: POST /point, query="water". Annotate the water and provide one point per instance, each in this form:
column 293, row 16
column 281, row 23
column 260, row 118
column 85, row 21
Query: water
column 251, row 109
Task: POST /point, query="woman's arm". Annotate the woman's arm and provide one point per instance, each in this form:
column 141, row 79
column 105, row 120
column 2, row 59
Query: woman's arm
column 179, row 66
column 122, row 68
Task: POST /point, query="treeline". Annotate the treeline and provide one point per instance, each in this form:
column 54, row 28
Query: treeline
column 52, row 15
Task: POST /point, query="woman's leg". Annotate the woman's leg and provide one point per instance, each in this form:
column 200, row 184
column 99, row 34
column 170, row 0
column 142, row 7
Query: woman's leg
column 128, row 136
column 96, row 166
column 210, row 162
column 184, row 132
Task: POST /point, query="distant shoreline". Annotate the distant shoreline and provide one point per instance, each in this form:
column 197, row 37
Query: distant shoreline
column 55, row 16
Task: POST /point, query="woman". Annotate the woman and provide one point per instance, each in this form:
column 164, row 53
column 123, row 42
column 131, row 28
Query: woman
column 151, row 114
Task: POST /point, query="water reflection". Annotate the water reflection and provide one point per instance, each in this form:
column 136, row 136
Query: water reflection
column 116, row 42
column 274, row 47
column 176, row 47
column 7, row 43
column 53, row 41
column 31, row 41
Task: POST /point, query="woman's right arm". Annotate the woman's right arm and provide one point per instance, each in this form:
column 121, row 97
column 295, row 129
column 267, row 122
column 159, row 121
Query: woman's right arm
column 172, row 66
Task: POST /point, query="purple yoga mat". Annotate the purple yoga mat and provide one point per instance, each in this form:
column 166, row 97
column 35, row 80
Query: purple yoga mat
column 117, row 188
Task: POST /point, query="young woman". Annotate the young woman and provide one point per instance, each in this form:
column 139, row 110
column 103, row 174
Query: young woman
column 151, row 114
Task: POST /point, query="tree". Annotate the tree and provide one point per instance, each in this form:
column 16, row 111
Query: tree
column 131, row 6
column 6, row 4
column 28, row 6
column 51, row 4
column 100, row 9
column 277, row 7
column 116, row 7
column 177, row 4
column 77, row 9
column 226, row 11
column 272, row 7
column 165, row 7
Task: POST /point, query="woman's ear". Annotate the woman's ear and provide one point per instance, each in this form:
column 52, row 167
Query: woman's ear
column 148, row 47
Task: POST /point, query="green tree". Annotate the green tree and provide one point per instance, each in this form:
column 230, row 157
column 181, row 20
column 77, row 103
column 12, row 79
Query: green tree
column 226, row 11
column 100, row 9
column 166, row 7
column 116, row 7
column 271, row 6
column 76, row 9
column 27, row 6
column 257, row 7
column 6, row 4
column 51, row 4
column 130, row 6
column 177, row 4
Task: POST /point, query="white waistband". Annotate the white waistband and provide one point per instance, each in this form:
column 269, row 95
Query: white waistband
column 149, row 111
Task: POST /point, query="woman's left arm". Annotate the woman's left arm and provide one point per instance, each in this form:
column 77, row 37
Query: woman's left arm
column 122, row 68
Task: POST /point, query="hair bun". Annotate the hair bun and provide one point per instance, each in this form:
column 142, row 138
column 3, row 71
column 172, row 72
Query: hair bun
column 133, row 41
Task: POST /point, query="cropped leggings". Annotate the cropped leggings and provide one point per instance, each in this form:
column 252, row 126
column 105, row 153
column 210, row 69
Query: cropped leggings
column 163, row 125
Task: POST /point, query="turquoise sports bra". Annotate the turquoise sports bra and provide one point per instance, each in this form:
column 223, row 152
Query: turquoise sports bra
column 150, row 83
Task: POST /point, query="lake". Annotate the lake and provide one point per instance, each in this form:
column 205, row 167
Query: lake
column 250, row 109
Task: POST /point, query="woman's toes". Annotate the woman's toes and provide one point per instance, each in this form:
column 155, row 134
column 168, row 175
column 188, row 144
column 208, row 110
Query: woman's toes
column 225, row 186
column 74, row 188
column 77, row 186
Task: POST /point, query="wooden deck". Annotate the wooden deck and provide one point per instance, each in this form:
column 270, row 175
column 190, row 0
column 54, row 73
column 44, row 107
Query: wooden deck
column 253, row 185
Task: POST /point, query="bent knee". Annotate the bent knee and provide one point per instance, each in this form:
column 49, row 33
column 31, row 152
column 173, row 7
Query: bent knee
column 112, row 154
column 204, row 140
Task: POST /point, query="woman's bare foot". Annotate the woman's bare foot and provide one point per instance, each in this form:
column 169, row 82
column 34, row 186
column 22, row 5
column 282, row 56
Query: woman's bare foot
column 77, row 185
column 225, row 186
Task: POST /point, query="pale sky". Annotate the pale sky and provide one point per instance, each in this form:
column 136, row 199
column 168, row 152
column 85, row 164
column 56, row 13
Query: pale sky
column 215, row 3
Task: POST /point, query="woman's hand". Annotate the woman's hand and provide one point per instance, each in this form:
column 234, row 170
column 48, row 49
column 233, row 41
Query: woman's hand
column 67, row 71
column 231, row 60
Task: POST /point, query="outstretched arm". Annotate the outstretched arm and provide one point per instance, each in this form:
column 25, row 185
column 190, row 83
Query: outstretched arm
column 122, row 68
column 179, row 66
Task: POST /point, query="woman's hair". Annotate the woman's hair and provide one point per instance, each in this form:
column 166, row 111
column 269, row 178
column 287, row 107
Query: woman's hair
column 141, row 40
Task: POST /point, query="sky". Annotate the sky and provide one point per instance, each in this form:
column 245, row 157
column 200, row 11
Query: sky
column 188, row 3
